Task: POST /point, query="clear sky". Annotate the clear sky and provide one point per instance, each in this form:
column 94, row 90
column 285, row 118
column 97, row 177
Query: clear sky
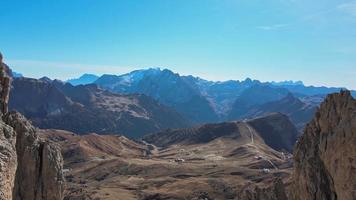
column 309, row 40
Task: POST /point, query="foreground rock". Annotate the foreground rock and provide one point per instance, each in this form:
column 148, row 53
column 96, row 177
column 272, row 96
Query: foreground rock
column 325, row 156
column 8, row 160
column 30, row 168
column 275, row 192
column 39, row 171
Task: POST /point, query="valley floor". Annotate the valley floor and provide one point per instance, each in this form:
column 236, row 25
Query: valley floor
column 113, row 167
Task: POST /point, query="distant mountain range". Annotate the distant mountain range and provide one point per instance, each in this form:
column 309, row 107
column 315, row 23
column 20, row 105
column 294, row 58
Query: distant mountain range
column 202, row 101
column 157, row 99
column 87, row 108
column 168, row 88
column 254, row 102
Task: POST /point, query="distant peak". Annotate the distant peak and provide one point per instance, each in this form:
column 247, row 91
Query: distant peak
column 144, row 71
column 287, row 83
column 45, row 79
column 155, row 69
column 83, row 79
column 248, row 80
column 88, row 75
column 58, row 81
column 169, row 71
column 16, row 74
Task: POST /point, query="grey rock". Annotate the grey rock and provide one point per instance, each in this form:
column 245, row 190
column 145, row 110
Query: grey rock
column 8, row 160
column 325, row 156
column 275, row 192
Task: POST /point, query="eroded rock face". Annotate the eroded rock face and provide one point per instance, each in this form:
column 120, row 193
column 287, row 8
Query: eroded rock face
column 40, row 164
column 8, row 160
column 325, row 156
column 30, row 168
column 8, row 156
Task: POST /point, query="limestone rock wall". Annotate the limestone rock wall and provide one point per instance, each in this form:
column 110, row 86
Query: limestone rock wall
column 325, row 155
column 40, row 164
column 8, row 161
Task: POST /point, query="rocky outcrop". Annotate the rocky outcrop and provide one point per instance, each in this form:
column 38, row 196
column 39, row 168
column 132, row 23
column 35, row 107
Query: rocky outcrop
column 30, row 168
column 40, row 164
column 8, row 156
column 275, row 192
column 8, row 160
column 325, row 155
column 5, row 79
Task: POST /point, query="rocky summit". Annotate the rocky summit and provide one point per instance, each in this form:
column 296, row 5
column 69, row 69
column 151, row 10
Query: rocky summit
column 30, row 168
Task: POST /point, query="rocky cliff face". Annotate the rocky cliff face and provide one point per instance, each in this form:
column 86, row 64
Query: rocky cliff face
column 30, row 168
column 8, row 160
column 325, row 156
column 39, row 163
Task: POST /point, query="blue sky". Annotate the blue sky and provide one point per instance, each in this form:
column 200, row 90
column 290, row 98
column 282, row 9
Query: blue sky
column 313, row 41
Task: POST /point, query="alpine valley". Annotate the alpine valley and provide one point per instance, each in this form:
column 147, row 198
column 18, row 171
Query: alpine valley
column 155, row 135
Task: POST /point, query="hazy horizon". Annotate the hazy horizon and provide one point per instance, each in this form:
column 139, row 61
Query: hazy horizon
column 279, row 40
column 214, row 80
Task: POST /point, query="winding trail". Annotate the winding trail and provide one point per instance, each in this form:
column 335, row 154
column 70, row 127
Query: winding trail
column 252, row 142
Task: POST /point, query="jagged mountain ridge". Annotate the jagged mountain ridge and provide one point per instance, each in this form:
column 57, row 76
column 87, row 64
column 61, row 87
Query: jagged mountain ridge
column 83, row 80
column 165, row 86
column 87, row 109
column 199, row 100
column 202, row 101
